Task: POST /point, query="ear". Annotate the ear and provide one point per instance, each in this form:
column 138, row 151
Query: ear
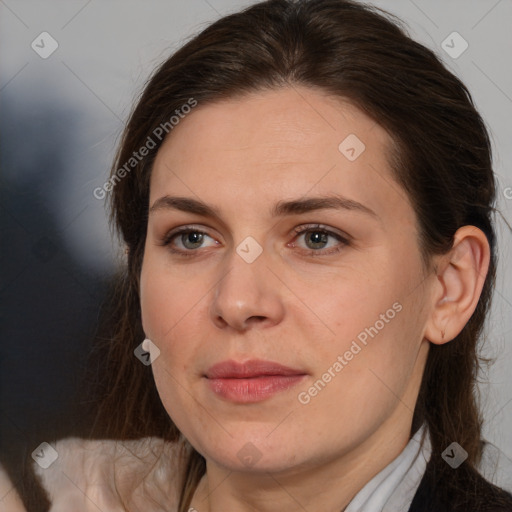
column 460, row 278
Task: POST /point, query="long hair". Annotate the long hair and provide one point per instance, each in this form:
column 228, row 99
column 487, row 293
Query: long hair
column 441, row 157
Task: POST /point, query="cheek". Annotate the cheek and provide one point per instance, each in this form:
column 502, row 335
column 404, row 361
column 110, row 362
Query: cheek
column 156, row 303
column 164, row 300
column 164, row 315
column 170, row 306
column 358, row 308
column 361, row 374
column 376, row 323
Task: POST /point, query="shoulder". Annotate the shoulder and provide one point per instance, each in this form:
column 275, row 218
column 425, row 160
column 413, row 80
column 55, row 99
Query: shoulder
column 469, row 492
column 110, row 474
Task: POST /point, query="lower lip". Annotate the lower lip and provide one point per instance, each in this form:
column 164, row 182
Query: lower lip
column 254, row 389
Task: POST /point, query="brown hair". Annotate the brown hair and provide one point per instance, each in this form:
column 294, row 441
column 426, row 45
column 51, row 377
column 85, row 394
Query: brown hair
column 441, row 158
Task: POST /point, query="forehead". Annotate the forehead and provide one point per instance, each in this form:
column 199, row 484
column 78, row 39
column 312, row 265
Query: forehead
column 284, row 142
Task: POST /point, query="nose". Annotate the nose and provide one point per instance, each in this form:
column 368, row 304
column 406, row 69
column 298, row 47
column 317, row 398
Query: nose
column 247, row 296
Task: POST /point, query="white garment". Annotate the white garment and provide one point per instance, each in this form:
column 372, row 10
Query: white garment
column 113, row 476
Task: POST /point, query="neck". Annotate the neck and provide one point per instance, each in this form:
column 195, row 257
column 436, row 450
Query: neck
column 329, row 486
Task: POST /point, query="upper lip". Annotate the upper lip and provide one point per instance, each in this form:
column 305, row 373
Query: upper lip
column 252, row 368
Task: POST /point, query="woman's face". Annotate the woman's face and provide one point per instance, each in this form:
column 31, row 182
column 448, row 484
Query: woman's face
column 343, row 304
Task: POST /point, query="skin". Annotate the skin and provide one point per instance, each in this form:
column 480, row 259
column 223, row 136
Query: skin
column 10, row 500
column 242, row 156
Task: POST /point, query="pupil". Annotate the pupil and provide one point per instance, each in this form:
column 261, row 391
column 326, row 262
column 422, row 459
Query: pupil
column 318, row 237
column 193, row 239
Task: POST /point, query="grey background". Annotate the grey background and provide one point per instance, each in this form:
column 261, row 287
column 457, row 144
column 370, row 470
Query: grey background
column 61, row 118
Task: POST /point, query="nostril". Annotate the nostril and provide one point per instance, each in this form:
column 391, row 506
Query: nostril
column 256, row 318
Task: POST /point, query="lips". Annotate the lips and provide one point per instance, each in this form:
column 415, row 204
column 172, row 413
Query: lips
column 252, row 381
column 249, row 369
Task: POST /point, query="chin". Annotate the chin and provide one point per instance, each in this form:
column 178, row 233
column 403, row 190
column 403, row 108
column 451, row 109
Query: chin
column 250, row 453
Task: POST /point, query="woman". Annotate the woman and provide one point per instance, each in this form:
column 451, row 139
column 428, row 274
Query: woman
column 305, row 195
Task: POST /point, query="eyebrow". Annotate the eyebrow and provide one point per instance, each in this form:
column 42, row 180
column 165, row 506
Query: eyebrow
column 280, row 209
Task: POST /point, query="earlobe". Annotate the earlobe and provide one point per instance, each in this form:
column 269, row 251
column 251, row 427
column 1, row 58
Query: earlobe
column 460, row 278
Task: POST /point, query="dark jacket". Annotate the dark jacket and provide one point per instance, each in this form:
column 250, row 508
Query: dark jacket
column 476, row 495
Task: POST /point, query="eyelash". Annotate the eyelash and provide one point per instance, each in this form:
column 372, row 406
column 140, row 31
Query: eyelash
column 316, row 228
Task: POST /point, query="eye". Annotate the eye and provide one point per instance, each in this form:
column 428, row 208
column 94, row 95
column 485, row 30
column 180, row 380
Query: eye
column 186, row 240
column 316, row 238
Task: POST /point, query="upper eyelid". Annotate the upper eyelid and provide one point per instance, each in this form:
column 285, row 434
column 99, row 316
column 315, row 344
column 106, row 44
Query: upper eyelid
column 321, row 227
column 298, row 229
